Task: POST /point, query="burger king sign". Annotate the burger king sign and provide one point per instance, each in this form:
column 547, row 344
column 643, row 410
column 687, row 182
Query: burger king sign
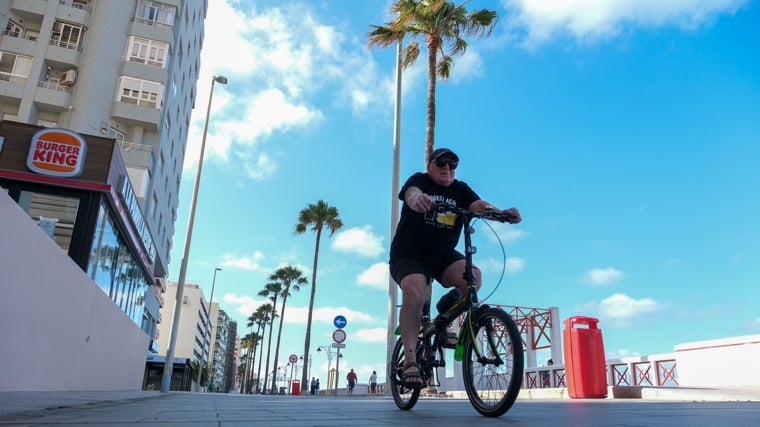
column 57, row 152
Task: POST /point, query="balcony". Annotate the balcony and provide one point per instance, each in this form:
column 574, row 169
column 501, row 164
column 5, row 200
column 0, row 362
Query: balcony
column 19, row 43
column 78, row 13
column 32, row 10
column 135, row 115
column 152, row 30
column 52, row 97
column 63, row 55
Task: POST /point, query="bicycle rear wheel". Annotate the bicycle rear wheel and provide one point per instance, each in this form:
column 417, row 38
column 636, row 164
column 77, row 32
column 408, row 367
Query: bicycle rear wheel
column 404, row 397
column 493, row 362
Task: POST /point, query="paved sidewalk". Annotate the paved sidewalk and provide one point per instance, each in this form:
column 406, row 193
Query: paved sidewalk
column 644, row 406
column 148, row 409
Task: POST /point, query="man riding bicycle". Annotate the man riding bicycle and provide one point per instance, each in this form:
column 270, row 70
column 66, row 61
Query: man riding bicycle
column 424, row 245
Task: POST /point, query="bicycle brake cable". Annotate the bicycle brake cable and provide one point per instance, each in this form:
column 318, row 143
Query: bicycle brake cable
column 503, row 265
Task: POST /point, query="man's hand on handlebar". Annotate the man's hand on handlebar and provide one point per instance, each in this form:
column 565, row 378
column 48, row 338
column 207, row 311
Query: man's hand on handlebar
column 513, row 215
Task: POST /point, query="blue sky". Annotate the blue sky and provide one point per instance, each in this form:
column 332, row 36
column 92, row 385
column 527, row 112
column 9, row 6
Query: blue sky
column 626, row 132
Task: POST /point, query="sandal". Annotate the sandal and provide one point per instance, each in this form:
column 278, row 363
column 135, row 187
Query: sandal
column 412, row 380
column 450, row 340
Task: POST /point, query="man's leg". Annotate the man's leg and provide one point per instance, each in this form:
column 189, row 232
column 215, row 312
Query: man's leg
column 453, row 275
column 413, row 298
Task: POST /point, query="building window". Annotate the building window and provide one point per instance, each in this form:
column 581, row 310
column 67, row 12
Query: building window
column 140, row 92
column 116, row 269
column 153, row 204
column 146, row 51
column 152, row 12
column 66, row 35
column 115, row 134
column 14, row 67
column 56, row 215
column 47, row 123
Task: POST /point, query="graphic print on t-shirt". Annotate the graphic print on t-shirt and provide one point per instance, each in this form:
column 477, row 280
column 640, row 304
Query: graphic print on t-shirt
column 441, row 219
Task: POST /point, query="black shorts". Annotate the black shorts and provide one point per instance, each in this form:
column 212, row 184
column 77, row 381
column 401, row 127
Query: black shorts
column 431, row 264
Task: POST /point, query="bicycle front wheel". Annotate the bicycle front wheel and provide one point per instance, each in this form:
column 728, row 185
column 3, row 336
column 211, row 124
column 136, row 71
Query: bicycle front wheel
column 404, row 397
column 493, row 362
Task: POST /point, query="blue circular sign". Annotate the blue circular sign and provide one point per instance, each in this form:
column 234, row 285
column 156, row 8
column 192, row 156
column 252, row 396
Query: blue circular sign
column 340, row 321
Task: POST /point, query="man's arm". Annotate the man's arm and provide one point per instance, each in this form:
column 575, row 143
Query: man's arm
column 480, row 206
column 417, row 200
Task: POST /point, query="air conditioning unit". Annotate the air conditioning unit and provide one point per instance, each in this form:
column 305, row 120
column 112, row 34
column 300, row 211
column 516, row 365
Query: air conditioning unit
column 68, row 78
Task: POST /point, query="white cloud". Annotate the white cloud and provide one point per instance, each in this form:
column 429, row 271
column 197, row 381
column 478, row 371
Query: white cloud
column 376, row 276
column 620, row 310
column 249, row 262
column 603, row 276
column 511, row 265
column 589, row 20
column 275, row 80
column 503, row 232
column 370, row 335
column 515, row 264
column 359, row 240
column 621, row 353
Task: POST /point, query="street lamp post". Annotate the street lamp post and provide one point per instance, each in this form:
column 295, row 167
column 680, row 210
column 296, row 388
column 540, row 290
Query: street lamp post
column 169, row 362
column 337, row 370
column 210, row 350
column 309, row 376
column 327, row 348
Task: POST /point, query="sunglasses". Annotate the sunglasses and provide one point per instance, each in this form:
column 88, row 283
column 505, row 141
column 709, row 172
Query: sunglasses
column 452, row 164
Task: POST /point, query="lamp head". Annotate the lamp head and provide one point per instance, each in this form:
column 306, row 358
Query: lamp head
column 220, row 79
column 319, row 348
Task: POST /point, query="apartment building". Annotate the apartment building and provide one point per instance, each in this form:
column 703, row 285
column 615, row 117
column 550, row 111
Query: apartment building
column 100, row 72
column 204, row 329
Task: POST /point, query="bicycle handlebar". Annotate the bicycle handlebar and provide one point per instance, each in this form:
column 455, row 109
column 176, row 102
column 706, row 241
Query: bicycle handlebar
column 491, row 215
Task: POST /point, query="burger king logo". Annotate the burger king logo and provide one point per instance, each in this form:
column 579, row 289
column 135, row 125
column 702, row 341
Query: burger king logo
column 57, row 152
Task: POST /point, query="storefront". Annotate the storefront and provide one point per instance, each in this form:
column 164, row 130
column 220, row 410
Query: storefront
column 77, row 189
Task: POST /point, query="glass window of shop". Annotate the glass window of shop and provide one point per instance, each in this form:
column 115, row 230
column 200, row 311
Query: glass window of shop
column 55, row 214
column 115, row 269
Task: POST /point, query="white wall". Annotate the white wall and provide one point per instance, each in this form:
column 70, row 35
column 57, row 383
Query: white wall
column 719, row 363
column 58, row 330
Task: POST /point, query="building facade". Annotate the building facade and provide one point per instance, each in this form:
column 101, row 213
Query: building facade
column 123, row 71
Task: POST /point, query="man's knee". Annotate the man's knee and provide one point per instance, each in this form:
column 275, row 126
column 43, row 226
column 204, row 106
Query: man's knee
column 413, row 287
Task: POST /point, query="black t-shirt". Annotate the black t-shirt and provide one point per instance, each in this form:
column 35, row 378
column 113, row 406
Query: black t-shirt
column 430, row 231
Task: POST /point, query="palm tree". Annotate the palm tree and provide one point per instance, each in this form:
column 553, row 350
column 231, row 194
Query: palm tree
column 247, row 343
column 271, row 290
column 196, row 364
column 317, row 216
column 439, row 23
column 266, row 311
column 250, row 341
column 289, row 278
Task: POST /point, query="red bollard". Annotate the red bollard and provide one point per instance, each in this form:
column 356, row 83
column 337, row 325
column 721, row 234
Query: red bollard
column 585, row 363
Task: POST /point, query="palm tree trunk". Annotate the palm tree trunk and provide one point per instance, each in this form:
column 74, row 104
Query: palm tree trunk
column 279, row 330
column 430, row 131
column 307, row 341
column 261, row 350
column 269, row 344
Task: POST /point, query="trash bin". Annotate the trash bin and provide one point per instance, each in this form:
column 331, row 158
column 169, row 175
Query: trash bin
column 295, row 388
column 585, row 364
column 283, row 390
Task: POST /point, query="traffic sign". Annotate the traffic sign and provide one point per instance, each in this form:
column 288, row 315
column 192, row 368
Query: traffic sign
column 293, row 358
column 336, row 345
column 339, row 336
column 340, row 321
